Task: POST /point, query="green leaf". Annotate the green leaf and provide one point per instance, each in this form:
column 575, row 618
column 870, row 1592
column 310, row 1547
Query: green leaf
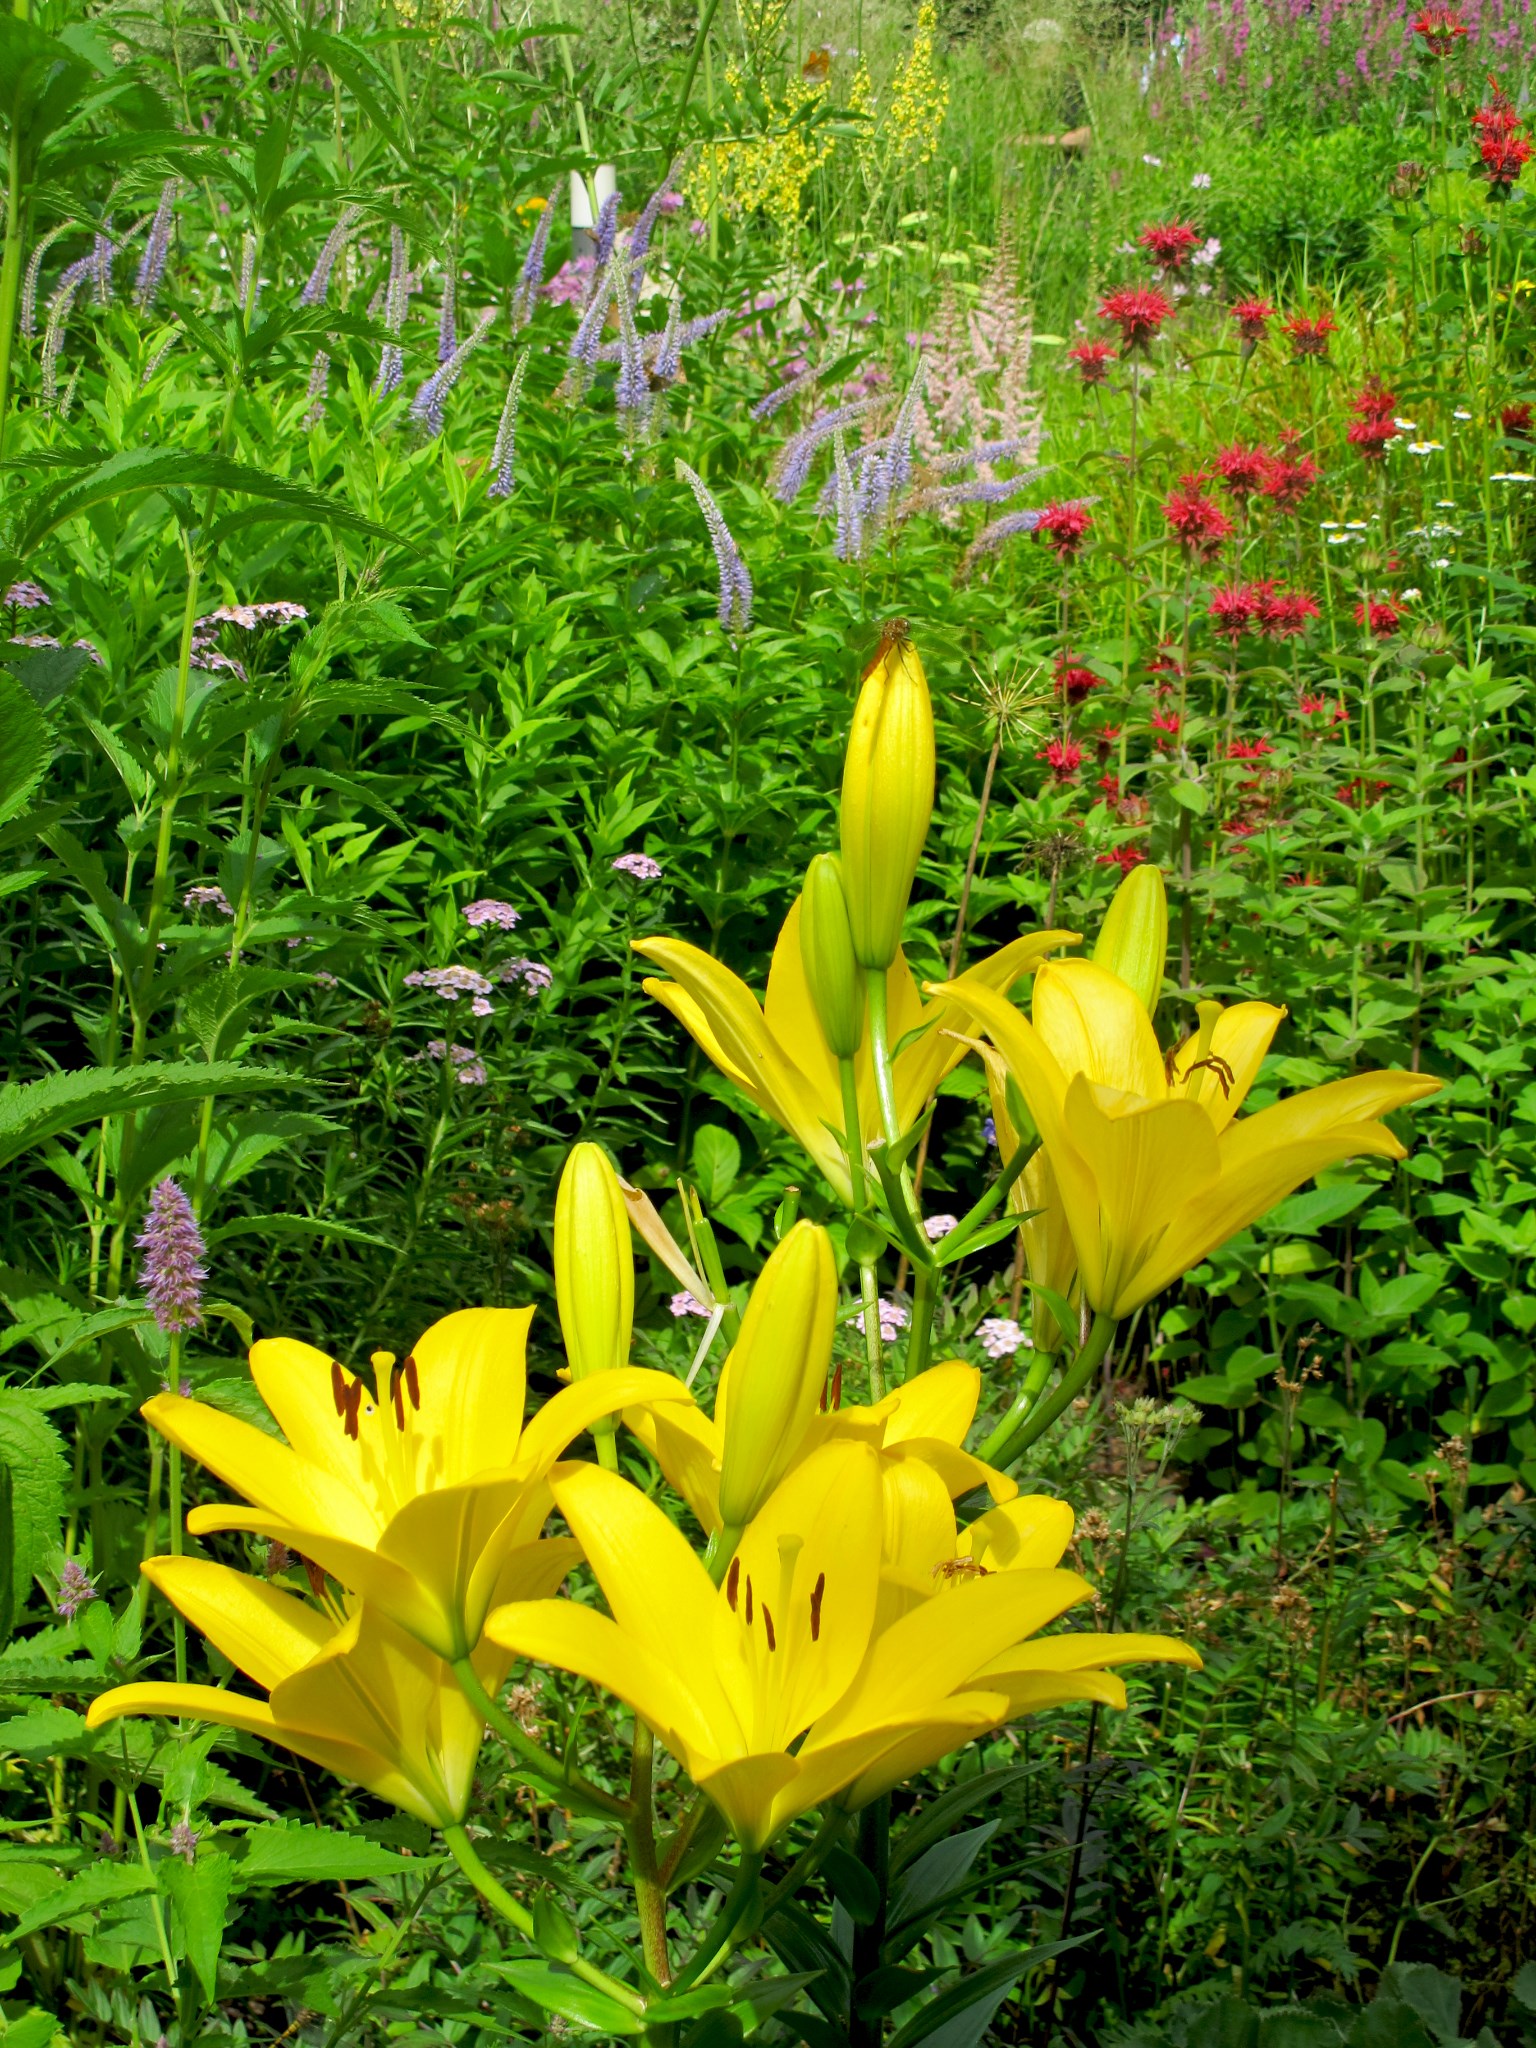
column 34, row 2030
column 716, row 1162
column 299, row 1226
column 935, row 1874
column 557, row 1991
column 140, row 470
column 26, row 748
column 34, row 1452
column 199, row 1892
column 959, row 2017
column 301, row 1854
column 7, row 1555
column 32, row 1111
column 82, row 1898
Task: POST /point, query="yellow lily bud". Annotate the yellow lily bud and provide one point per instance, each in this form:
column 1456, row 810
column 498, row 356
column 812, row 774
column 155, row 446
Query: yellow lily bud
column 777, row 1369
column 826, row 950
column 594, row 1264
column 887, row 796
column 1133, row 939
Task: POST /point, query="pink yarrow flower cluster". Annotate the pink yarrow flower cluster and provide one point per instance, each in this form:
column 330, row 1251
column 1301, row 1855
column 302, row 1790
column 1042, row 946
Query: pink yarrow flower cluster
column 450, row 982
column 640, row 866
column 491, row 911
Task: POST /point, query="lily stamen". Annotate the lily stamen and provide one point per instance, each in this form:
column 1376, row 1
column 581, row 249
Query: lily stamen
column 817, row 1592
column 732, row 1583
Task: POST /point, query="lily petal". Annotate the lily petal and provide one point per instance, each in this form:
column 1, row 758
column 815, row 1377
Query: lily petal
column 1240, row 1040
column 1027, row 1534
column 1149, row 1161
column 473, row 1376
column 267, row 1633
column 940, row 1402
column 267, row 1472
column 1096, row 1025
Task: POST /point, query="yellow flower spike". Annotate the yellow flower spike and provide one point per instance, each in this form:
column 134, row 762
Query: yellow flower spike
column 785, row 1687
column 1133, row 939
column 426, row 1501
column 594, row 1264
column 923, row 1422
column 778, row 1367
column 826, row 948
column 778, row 1054
column 887, row 795
column 1154, row 1173
column 355, row 1695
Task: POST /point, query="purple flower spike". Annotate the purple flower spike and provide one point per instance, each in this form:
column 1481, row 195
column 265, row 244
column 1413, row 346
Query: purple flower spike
column 319, row 282
column 587, row 340
column 173, row 1273
column 75, row 1590
column 157, row 248
column 632, row 388
column 392, row 360
column 504, row 453
column 792, row 387
column 319, row 377
column 606, row 231
column 447, row 339
column 849, row 544
column 735, row 583
column 793, row 467
column 427, row 405
column 531, row 282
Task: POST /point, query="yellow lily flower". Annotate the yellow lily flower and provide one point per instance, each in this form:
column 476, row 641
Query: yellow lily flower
column 926, row 1420
column 423, row 1500
column 777, row 1054
column 1153, row 1169
column 354, row 1694
column 783, row 1688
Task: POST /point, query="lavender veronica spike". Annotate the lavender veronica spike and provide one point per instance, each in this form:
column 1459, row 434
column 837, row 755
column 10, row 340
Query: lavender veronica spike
column 102, row 252
column 318, row 286
column 991, row 538
column 250, row 282
column 34, row 268
column 584, row 342
column 667, row 363
column 799, row 451
column 632, row 389
column 58, row 314
column 446, row 340
column 427, row 405
column 157, row 248
column 529, row 285
column 640, row 234
column 392, row 358
column 988, row 451
column 504, row 453
column 766, row 407
column 606, row 230
column 319, row 377
column 172, row 1274
column 735, row 583
column 849, row 544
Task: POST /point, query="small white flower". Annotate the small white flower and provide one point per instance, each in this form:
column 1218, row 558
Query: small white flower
column 1461, row 413
column 1406, row 426
column 1512, row 476
column 1441, row 562
column 1355, row 525
column 1328, row 525
column 1155, row 161
column 1425, row 447
column 1200, row 182
column 1339, row 540
column 1410, row 596
column 936, row 1227
column 1001, row 1337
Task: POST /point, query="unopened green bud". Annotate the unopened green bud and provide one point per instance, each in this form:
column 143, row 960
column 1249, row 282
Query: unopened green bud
column 594, row 1264
column 887, row 797
column 1133, row 939
column 554, row 1931
column 826, row 948
column 773, row 1380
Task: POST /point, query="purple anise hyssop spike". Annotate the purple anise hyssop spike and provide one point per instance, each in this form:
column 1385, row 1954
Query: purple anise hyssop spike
column 735, row 583
column 157, row 248
column 172, row 1274
column 318, row 284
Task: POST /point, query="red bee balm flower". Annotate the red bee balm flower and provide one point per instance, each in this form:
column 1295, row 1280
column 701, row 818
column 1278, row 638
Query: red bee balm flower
column 1064, row 528
column 1288, row 480
column 1441, row 29
column 1170, row 244
column 1253, row 317
column 1230, row 609
column 1380, row 617
column 1242, row 470
column 1198, row 522
column 1309, row 337
column 1248, row 750
column 1283, row 614
column 1503, row 149
column 1373, row 427
column 1516, row 421
column 1065, row 758
column 1093, row 359
column 1122, row 857
column 1139, row 315
column 1074, row 682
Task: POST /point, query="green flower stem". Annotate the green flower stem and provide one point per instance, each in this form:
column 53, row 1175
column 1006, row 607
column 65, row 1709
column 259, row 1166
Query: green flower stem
column 720, row 1936
column 925, row 1296
column 10, row 271
column 574, row 1791
column 173, row 1483
column 869, row 1292
column 644, row 1871
column 1041, row 1366
column 496, row 1894
column 853, row 1133
column 1000, row 1450
column 151, row 1517
column 157, row 1911
column 679, row 1844
column 981, row 1211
